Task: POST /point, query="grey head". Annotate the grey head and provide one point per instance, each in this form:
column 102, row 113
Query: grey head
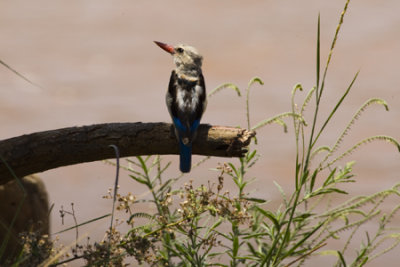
column 187, row 59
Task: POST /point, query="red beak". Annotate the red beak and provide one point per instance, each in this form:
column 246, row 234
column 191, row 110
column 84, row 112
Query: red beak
column 169, row 48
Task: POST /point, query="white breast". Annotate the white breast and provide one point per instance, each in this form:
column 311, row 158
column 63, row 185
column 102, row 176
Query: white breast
column 188, row 101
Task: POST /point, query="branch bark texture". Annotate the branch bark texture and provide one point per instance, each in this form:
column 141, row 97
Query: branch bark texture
column 41, row 151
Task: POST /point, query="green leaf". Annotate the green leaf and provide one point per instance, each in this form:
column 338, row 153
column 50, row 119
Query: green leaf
column 282, row 192
column 255, row 80
column 335, row 108
column 234, row 169
column 318, row 53
column 254, row 199
column 139, row 180
column 278, row 119
column 251, row 155
column 235, row 248
column 302, row 216
column 215, row 225
column 253, row 250
column 341, row 258
column 329, row 253
column 313, row 177
column 143, row 164
column 270, row 216
column 328, row 191
column 166, row 184
column 330, row 178
column 184, row 251
column 223, row 86
column 140, row 215
column 306, row 236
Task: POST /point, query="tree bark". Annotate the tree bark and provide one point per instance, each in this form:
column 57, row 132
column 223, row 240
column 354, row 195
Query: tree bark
column 38, row 152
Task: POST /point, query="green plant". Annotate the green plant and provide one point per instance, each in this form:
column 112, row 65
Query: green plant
column 209, row 224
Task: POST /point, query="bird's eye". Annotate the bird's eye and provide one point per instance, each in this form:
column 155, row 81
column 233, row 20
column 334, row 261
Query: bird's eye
column 179, row 50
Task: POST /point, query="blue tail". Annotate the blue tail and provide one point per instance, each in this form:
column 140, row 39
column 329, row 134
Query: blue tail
column 185, row 156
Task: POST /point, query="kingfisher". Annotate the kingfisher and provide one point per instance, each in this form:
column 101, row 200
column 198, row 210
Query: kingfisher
column 186, row 98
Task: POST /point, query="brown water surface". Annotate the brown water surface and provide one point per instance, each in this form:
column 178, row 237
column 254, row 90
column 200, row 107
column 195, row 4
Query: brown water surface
column 96, row 63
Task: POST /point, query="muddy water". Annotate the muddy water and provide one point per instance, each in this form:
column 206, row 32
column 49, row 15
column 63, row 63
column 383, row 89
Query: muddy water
column 96, row 63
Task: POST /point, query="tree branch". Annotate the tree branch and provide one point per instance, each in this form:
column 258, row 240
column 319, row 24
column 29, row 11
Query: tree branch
column 38, row 152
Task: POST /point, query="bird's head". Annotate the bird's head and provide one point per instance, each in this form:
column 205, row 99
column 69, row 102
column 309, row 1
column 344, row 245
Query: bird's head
column 187, row 59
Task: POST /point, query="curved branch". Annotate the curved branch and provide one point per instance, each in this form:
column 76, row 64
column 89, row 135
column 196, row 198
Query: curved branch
column 38, row 152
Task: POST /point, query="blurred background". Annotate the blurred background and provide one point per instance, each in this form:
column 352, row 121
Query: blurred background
column 96, row 63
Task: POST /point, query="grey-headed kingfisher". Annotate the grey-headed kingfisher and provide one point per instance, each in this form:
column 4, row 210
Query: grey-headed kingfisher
column 186, row 98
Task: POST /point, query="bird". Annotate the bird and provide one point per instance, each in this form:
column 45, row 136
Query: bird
column 186, row 98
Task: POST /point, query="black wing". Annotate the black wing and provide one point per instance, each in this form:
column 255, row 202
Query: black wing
column 186, row 101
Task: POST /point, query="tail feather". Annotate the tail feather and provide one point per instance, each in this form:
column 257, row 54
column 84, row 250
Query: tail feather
column 185, row 156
